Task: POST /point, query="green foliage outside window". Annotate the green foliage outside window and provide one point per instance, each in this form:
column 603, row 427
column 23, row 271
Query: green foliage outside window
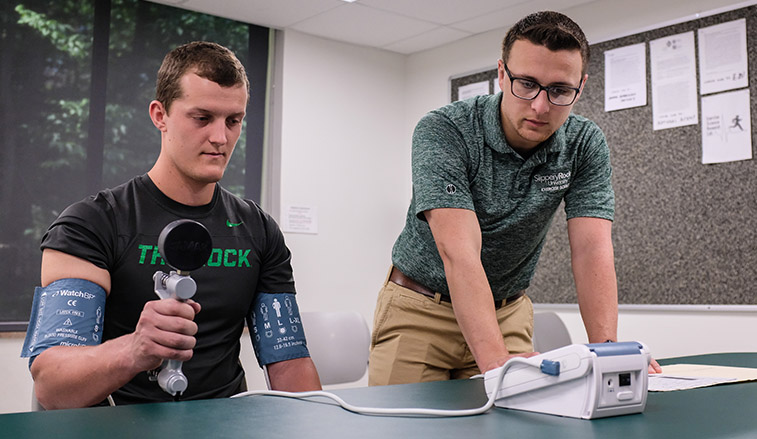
column 45, row 91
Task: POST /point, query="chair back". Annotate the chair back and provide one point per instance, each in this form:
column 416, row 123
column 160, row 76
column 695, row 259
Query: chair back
column 549, row 332
column 36, row 406
column 339, row 343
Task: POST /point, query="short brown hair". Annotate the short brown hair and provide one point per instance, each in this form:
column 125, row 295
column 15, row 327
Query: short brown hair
column 550, row 29
column 208, row 60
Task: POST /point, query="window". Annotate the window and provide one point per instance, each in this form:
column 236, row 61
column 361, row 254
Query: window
column 76, row 78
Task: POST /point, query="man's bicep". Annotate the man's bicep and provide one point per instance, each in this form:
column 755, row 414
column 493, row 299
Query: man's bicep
column 276, row 328
column 58, row 265
column 68, row 309
column 456, row 231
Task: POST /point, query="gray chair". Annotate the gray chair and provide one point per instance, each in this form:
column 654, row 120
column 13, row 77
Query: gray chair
column 36, row 406
column 339, row 344
column 549, row 332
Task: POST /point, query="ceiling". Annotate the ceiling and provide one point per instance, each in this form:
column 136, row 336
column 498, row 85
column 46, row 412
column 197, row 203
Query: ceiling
column 402, row 26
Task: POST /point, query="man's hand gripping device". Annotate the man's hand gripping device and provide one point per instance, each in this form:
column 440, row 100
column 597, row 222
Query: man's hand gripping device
column 185, row 246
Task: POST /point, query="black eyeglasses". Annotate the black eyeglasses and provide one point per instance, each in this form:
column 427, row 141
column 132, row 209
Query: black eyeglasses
column 527, row 89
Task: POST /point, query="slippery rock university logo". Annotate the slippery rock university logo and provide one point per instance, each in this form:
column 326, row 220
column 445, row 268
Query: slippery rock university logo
column 552, row 182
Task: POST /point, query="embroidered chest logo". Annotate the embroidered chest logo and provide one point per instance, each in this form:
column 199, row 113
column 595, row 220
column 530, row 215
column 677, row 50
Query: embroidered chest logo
column 230, row 224
column 451, row 189
column 553, row 182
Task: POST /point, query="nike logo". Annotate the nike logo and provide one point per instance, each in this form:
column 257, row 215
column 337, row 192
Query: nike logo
column 230, row 224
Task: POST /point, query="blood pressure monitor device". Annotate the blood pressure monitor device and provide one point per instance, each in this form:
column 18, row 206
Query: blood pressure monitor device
column 185, row 245
column 578, row 381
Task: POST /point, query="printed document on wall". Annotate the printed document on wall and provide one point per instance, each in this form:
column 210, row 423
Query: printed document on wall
column 723, row 57
column 300, row 219
column 626, row 77
column 471, row 90
column 674, row 81
column 726, row 127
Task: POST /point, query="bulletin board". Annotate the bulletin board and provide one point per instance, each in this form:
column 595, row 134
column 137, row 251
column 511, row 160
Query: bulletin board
column 684, row 233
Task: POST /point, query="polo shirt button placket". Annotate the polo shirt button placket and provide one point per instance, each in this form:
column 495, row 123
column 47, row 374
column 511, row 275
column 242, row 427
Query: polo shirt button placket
column 521, row 182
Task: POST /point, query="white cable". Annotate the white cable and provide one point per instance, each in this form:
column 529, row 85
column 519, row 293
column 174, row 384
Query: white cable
column 398, row 411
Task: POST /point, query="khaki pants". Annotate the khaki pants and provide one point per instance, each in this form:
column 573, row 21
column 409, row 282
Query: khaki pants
column 416, row 338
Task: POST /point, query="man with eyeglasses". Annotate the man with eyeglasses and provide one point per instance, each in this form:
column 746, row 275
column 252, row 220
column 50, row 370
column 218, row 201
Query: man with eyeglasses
column 489, row 174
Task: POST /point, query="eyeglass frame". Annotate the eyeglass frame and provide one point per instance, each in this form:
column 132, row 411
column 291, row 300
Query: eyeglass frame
column 541, row 87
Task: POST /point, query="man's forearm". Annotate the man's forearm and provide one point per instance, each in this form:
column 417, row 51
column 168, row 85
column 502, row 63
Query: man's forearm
column 593, row 263
column 458, row 239
column 597, row 292
column 600, row 317
column 80, row 376
column 474, row 310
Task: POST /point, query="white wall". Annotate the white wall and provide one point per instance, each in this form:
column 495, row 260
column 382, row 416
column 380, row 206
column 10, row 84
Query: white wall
column 347, row 116
column 344, row 152
column 674, row 332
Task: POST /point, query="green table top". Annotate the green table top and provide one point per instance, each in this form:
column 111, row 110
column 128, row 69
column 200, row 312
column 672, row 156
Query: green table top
column 725, row 411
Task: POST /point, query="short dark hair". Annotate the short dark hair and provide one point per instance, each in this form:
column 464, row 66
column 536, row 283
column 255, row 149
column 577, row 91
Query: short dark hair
column 550, row 29
column 208, row 60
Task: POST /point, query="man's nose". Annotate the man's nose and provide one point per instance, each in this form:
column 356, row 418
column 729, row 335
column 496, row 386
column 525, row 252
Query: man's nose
column 218, row 133
column 540, row 103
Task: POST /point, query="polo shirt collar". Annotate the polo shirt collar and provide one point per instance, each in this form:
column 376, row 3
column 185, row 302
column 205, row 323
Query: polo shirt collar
column 494, row 134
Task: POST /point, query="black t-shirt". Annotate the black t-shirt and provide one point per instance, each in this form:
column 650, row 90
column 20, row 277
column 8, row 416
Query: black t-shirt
column 118, row 230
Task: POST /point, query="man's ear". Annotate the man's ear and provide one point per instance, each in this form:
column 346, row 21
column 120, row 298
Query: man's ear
column 583, row 83
column 158, row 115
column 501, row 74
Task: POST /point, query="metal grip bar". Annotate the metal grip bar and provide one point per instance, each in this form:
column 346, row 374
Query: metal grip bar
column 180, row 287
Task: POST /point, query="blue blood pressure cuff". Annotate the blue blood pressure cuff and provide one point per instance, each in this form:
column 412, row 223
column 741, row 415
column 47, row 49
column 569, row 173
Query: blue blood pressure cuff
column 68, row 312
column 276, row 328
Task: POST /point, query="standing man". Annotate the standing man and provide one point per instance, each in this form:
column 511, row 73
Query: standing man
column 110, row 331
column 488, row 175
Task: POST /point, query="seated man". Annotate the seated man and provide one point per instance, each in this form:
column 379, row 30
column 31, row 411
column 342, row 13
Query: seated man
column 97, row 327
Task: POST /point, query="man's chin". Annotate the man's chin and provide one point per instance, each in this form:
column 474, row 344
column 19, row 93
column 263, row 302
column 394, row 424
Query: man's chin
column 209, row 178
column 532, row 137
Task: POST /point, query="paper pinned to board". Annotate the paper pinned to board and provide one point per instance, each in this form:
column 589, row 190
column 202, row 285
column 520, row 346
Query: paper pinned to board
column 692, row 376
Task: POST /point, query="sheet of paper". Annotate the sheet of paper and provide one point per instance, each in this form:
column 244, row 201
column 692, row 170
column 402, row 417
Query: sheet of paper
column 674, row 81
column 692, row 376
column 300, row 219
column 723, row 57
column 668, row 383
column 626, row 77
column 726, row 127
column 471, row 90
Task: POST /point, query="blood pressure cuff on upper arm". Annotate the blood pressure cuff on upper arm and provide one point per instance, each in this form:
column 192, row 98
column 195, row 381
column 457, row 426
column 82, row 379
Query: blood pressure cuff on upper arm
column 276, row 329
column 68, row 312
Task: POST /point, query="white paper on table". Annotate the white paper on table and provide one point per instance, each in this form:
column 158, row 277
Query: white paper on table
column 723, row 57
column 674, row 83
column 692, row 376
column 668, row 383
column 626, row 77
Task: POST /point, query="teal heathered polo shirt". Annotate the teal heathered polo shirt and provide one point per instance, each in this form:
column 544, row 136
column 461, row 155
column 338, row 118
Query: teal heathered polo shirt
column 461, row 160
